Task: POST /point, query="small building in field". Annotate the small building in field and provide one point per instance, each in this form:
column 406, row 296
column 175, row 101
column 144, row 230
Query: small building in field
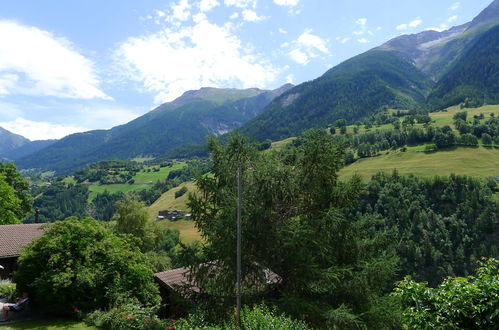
column 12, row 239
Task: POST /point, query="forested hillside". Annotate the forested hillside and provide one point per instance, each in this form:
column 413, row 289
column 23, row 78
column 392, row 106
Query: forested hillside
column 189, row 119
column 474, row 80
column 355, row 89
column 10, row 141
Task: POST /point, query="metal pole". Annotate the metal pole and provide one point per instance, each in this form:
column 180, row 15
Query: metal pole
column 238, row 270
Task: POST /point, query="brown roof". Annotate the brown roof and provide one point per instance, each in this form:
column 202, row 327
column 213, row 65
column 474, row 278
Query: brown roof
column 13, row 237
column 179, row 277
column 175, row 277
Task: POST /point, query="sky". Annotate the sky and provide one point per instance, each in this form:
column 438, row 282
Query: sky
column 76, row 65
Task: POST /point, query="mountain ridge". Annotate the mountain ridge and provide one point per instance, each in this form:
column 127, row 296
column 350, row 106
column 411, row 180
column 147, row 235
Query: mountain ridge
column 188, row 119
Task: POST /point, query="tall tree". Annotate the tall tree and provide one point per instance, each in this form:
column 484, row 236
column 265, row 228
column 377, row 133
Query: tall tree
column 333, row 269
column 21, row 189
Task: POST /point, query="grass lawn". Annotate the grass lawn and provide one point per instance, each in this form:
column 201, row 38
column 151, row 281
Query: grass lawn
column 47, row 324
column 167, row 201
column 477, row 162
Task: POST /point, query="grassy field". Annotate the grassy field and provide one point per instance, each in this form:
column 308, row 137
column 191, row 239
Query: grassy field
column 47, row 324
column 144, row 177
column 445, row 117
column 167, row 201
column 477, row 162
column 143, row 180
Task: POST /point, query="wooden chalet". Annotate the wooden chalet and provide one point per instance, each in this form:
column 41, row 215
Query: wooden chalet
column 12, row 239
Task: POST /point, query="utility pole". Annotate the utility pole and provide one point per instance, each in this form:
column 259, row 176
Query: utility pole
column 238, row 248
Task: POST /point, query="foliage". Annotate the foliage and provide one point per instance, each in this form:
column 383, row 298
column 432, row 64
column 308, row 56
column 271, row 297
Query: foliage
column 131, row 218
column 256, row 317
column 127, row 316
column 83, row 264
column 443, row 224
column 6, row 288
column 457, row 303
column 181, row 192
column 19, row 205
column 294, row 224
column 9, row 203
column 60, row 200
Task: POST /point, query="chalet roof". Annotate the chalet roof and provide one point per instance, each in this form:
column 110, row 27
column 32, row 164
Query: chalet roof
column 179, row 277
column 175, row 277
column 13, row 237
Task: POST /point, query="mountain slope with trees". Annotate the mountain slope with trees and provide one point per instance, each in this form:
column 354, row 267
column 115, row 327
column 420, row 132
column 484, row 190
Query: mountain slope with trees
column 10, row 141
column 355, row 89
column 188, row 119
column 474, row 80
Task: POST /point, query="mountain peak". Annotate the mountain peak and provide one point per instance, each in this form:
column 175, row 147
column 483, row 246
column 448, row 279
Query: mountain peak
column 488, row 16
column 216, row 95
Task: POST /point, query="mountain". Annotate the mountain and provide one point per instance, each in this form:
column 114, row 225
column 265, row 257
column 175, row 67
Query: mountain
column 436, row 52
column 430, row 69
column 10, row 141
column 474, row 79
column 352, row 90
column 26, row 149
column 186, row 120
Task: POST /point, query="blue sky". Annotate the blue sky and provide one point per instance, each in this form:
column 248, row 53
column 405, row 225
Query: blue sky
column 71, row 66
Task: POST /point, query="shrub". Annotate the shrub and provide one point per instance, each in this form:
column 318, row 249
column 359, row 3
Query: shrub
column 257, row 317
column 127, row 316
column 458, row 303
column 180, row 192
column 83, row 264
column 6, row 288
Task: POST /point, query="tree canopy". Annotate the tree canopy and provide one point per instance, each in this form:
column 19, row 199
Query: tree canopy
column 83, row 264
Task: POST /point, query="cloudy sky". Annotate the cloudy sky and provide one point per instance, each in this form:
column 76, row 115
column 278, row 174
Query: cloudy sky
column 71, row 66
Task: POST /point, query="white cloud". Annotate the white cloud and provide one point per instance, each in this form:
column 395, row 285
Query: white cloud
column 181, row 10
column 289, row 3
column 298, row 56
column 281, row 30
column 234, row 15
column 455, row 6
column 363, row 41
column 344, row 40
column 452, row 18
column 311, row 41
column 442, row 27
column 50, row 65
column 40, row 130
column 251, row 16
column 207, row 5
column 290, row 79
column 362, row 23
column 306, row 47
column 173, row 61
column 241, row 3
column 7, row 82
column 415, row 22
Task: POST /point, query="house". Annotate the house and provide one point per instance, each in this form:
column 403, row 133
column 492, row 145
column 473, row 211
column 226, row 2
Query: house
column 178, row 288
column 12, row 239
column 173, row 215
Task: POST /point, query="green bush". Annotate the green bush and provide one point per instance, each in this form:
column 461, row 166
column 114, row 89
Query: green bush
column 457, row 303
column 128, row 316
column 83, row 264
column 6, row 288
column 257, row 317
